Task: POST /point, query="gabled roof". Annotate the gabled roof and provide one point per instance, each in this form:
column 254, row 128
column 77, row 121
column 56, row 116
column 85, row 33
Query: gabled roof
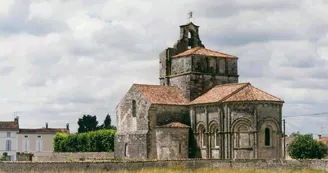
column 174, row 125
column 8, row 125
column 44, row 131
column 203, row 51
column 236, row 92
column 158, row 94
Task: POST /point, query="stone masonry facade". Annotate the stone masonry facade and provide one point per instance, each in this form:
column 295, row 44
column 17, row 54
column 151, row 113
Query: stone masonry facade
column 199, row 110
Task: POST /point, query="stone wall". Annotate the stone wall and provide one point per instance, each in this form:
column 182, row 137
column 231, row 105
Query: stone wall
column 172, row 143
column 20, row 167
column 63, row 157
column 131, row 137
column 237, row 130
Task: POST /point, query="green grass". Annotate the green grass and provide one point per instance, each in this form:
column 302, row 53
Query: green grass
column 206, row 170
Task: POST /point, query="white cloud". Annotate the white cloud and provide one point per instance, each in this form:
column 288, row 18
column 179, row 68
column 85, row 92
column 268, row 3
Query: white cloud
column 61, row 59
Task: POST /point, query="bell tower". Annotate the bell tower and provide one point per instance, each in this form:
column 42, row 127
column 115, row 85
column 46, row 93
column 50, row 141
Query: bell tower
column 194, row 69
column 189, row 38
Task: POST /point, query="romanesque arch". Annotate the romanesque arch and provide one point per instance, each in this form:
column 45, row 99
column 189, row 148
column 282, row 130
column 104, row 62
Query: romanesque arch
column 242, row 133
column 201, row 138
column 269, row 132
column 269, row 135
column 214, row 136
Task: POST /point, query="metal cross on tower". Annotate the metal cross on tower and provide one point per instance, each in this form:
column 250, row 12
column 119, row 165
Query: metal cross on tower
column 190, row 15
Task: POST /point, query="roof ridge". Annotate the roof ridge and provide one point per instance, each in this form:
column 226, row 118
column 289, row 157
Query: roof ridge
column 234, row 92
column 243, row 83
column 154, row 85
column 220, row 52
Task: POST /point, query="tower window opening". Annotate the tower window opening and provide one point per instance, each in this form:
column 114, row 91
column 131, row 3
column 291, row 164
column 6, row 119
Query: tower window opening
column 134, row 108
column 189, row 40
column 267, row 136
column 180, row 148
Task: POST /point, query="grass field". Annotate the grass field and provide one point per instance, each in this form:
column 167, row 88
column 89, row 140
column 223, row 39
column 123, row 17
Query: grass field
column 207, row 170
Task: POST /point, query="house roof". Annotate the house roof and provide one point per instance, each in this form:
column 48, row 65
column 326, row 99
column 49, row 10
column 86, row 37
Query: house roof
column 158, row 94
column 174, row 125
column 323, row 139
column 203, row 51
column 8, row 125
column 44, row 131
column 236, row 92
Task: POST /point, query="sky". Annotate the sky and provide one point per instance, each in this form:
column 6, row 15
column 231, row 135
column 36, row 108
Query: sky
column 60, row 59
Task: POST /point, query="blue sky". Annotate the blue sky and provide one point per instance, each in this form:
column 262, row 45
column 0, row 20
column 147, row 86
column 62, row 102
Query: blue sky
column 60, row 59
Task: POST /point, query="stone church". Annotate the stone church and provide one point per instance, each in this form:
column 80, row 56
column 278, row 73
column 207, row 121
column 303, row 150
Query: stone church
column 199, row 110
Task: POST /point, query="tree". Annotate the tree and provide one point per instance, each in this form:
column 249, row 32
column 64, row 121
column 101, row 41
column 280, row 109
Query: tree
column 107, row 123
column 87, row 123
column 305, row 147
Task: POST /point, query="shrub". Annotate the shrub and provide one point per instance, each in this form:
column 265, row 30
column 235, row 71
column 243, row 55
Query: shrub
column 305, row 147
column 95, row 141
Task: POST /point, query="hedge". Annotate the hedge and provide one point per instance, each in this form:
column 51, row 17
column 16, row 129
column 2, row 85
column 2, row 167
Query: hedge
column 95, row 141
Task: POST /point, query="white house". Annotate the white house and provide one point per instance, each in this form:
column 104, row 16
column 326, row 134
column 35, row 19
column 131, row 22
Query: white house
column 38, row 141
column 8, row 140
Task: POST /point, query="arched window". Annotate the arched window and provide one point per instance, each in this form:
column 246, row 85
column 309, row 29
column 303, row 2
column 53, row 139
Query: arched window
column 201, row 136
column 267, row 136
column 134, row 108
column 214, row 133
column 125, row 149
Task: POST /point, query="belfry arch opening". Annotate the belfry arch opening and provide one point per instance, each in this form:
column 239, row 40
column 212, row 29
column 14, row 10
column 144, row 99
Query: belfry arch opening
column 189, row 39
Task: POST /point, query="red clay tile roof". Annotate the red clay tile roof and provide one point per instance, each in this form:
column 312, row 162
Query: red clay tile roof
column 236, row 92
column 203, row 51
column 174, row 125
column 158, row 94
column 251, row 93
column 44, row 130
column 323, row 140
column 218, row 93
column 8, row 125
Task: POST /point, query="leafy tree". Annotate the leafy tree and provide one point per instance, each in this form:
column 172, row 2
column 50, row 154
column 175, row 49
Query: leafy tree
column 305, row 147
column 107, row 123
column 87, row 123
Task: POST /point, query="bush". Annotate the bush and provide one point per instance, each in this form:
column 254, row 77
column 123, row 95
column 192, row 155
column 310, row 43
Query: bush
column 94, row 141
column 305, row 147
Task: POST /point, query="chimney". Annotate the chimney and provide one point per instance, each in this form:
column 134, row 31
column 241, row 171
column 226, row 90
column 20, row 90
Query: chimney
column 319, row 136
column 16, row 120
column 67, row 126
column 46, row 125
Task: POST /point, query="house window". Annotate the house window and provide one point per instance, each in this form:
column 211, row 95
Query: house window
column 26, row 145
column 38, row 145
column 8, row 134
column 267, row 136
column 134, row 108
column 8, row 145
